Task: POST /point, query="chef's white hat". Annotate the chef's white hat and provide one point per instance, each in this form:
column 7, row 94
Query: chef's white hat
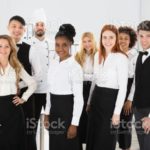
column 39, row 16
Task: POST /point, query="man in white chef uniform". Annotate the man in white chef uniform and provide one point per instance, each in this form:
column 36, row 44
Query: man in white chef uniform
column 45, row 50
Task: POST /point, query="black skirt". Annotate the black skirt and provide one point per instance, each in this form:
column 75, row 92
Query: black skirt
column 12, row 125
column 84, row 116
column 101, row 133
column 125, row 129
column 60, row 120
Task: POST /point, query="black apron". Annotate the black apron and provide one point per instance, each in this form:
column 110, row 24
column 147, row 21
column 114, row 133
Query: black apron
column 124, row 133
column 12, row 125
column 60, row 120
column 101, row 134
column 84, row 116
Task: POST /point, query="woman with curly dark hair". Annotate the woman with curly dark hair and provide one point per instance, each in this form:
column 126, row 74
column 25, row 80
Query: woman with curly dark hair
column 127, row 40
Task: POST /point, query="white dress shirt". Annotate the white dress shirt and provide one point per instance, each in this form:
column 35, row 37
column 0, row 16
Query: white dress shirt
column 8, row 83
column 144, row 57
column 132, row 63
column 45, row 51
column 113, row 73
column 64, row 78
column 88, row 68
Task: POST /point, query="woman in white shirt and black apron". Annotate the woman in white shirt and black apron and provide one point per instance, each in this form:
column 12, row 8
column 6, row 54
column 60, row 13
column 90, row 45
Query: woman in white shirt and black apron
column 127, row 40
column 65, row 86
column 107, row 98
column 85, row 57
column 12, row 125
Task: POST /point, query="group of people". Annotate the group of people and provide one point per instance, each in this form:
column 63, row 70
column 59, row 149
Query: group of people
column 89, row 97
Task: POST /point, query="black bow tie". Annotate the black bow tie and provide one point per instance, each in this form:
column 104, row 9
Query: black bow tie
column 18, row 45
column 144, row 53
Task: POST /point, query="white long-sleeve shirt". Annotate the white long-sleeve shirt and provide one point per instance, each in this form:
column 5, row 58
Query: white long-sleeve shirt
column 131, row 57
column 113, row 73
column 64, row 78
column 8, row 83
column 88, row 68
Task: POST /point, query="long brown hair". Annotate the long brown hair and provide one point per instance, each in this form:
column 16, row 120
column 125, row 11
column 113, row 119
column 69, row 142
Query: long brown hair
column 80, row 56
column 115, row 49
column 13, row 61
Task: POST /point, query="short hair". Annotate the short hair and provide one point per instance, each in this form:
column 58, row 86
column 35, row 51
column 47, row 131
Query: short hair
column 144, row 25
column 132, row 34
column 19, row 19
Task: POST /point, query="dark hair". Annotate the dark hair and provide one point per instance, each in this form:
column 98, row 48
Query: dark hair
column 145, row 25
column 19, row 19
column 66, row 30
column 132, row 34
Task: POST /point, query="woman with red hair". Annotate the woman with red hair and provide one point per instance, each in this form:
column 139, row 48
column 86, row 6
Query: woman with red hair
column 107, row 92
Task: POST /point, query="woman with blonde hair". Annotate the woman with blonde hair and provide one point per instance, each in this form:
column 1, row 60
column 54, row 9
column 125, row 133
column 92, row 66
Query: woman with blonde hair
column 12, row 127
column 85, row 57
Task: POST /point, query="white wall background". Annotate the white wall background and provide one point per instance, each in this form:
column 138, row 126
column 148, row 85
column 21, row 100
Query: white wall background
column 145, row 10
column 85, row 15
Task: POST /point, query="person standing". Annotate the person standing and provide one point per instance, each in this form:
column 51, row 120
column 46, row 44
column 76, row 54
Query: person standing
column 107, row 92
column 65, row 80
column 85, row 57
column 140, row 88
column 42, row 47
column 12, row 122
column 127, row 40
column 29, row 60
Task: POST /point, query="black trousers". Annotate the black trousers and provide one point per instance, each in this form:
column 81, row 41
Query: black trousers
column 12, row 125
column 101, row 133
column 60, row 120
column 40, row 101
column 144, row 139
column 30, row 121
column 125, row 129
column 82, row 130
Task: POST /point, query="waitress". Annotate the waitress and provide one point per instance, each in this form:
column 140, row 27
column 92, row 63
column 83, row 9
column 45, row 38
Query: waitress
column 65, row 81
column 107, row 98
column 12, row 125
column 85, row 57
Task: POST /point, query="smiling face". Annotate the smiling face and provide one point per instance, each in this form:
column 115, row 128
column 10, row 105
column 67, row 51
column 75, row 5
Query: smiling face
column 124, row 41
column 39, row 29
column 87, row 45
column 16, row 30
column 62, row 47
column 4, row 49
column 144, row 37
column 108, row 40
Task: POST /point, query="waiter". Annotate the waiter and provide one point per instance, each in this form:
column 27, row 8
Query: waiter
column 29, row 60
column 41, row 44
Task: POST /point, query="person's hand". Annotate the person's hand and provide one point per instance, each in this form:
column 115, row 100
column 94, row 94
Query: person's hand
column 127, row 108
column 87, row 108
column 17, row 100
column 46, row 121
column 72, row 132
column 115, row 119
column 146, row 124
